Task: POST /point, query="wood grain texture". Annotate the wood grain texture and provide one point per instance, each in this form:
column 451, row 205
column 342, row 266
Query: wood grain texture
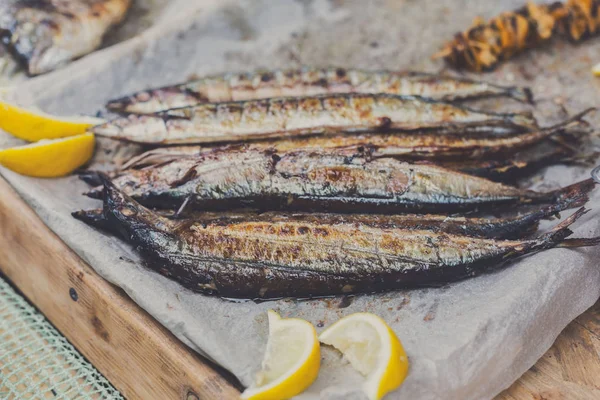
column 135, row 353
column 569, row 370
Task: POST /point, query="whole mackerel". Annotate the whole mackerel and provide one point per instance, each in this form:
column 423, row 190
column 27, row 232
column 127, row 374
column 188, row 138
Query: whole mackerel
column 304, row 259
column 288, row 117
column 315, row 181
column 309, row 82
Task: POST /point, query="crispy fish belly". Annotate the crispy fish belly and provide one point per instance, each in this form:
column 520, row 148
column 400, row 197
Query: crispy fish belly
column 309, row 82
column 499, row 228
column 45, row 34
column 303, row 259
column 315, row 181
column 291, row 117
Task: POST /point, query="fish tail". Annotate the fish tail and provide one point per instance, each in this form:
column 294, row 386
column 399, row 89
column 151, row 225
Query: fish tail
column 522, row 94
column 580, row 242
column 577, row 193
column 557, row 235
column 525, row 120
column 575, row 125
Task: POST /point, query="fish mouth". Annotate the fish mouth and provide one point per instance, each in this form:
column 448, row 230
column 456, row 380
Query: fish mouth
column 108, row 129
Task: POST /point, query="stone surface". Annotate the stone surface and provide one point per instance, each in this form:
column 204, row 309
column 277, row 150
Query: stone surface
column 467, row 340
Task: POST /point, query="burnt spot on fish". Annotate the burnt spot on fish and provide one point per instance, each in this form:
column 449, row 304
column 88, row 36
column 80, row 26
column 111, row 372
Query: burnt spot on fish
column 384, row 122
column 267, row 77
column 188, row 176
column 340, row 72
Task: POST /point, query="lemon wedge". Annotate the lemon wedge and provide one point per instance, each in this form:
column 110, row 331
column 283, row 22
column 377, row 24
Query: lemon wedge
column 291, row 362
column 36, row 125
column 372, row 348
column 596, row 70
column 49, row 158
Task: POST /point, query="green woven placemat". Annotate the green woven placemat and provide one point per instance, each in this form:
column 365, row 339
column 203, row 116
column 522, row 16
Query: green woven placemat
column 37, row 362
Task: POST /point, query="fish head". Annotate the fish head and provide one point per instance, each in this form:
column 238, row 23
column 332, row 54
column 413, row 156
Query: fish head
column 31, row 38
column 134, row 127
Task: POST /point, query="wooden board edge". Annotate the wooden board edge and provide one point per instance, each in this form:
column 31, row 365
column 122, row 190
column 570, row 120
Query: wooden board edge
column 132, row 350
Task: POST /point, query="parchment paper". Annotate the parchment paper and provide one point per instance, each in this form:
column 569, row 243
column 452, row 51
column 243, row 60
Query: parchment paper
column 467, row 340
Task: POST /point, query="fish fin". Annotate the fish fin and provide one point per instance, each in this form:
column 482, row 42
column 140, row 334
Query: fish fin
column 580, row 242
column 578, row 191
column 522, row 94
column 182, row 208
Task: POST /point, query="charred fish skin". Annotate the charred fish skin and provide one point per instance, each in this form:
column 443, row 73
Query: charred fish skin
column 515, row 227
column 308, row 81
column 45, row 34
column 286, row 117
column 273, row 260
column 310, row 181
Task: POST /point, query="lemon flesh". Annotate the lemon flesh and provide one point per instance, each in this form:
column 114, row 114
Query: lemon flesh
column 372, row 348
column 596, row 70
column 49, row 158
column 291, row 362
column 35, row 125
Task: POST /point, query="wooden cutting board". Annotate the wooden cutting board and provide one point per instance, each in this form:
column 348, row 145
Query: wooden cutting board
column 144, row 361
column 133, row 351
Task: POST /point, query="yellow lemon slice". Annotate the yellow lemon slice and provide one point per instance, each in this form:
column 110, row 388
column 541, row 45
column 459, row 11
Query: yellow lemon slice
column 49, row 158
column 372, row 348
column 596, row 70
column 36, row 125
column 291, row 362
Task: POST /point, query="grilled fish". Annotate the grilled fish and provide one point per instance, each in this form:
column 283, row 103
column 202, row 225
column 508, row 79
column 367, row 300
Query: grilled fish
column 489, row 156
column 309, row 82
column 304, row 259
column 291, row 117
column 300, row 180
column 430, row 145
column 45, row 34
column 499, row 228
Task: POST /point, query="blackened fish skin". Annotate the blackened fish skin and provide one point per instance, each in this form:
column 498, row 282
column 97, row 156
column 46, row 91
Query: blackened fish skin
column 288, row 117
column 514, row 227
column 284, row 259
column 308, row 81
column 311, row 181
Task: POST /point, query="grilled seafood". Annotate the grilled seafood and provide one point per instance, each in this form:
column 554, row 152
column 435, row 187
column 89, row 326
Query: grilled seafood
column 303, row 259
column 316, row 181
column 483, row 46
column 499, row 228
column 498, row 158
column 291, row 117
column 45, row 34
column 309, row 82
